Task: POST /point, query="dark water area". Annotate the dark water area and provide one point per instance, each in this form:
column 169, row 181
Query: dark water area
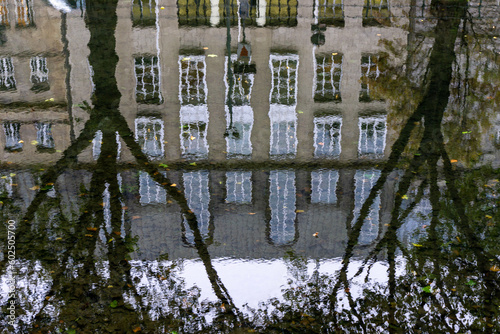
column 263, row 166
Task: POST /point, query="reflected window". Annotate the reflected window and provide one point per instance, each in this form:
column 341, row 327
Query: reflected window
column 282, row 13
column 150, row 191
column 376, row 13
column 39, row 74
column 282, row 203
column 239, row 187
column 147, row 76
column 245, row 10
column 198, row 198
column 44, row 135
column 4, row 13
column 327, row 136
column 194, row 108
column 194, row 12
column 7, row 80
column 149, row 132
column 13, row 140
column 364, row 182
column 24, row 13
column 143, row 13
column 193, row 85
column 324, row 186
column 370, row 71
column 283, row 99
column 97, row 143
column 372, row 135
column 329, row 12
column 239, row 119
column 284, row 79
column 327, row 77
column 6, row 185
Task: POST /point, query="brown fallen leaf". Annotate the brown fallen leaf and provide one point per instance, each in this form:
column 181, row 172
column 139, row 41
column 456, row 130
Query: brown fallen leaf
column 93, row 229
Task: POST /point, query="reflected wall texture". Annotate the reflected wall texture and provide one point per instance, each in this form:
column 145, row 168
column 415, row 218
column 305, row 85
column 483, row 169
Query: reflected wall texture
column 153, row 152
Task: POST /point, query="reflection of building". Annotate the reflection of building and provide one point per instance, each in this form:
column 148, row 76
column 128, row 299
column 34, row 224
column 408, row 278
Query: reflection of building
column 172, row 87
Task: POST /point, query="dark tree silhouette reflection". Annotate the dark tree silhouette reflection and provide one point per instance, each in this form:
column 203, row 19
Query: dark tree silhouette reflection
column 447, row 282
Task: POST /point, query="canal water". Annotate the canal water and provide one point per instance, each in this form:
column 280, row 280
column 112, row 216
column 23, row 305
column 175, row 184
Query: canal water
column 249, row 166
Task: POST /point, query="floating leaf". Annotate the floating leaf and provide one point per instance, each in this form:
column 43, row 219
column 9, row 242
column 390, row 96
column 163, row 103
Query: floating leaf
column 298, row 211
column 427, row 289
column 173, row 185
column 471, row 283
column 453, row 160
column 93, row 229
column 35, row 188
column 494, row 268
column 193, row 164
column 416, row 245
column 163, row 165
column 113, row 304
column 488, row 216
column 404, row 197
column 12, row 174
column 251, row 213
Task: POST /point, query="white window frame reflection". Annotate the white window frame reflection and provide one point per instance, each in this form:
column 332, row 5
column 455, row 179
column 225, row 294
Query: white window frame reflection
column 150, row 191
column 24, row 13
column 324, row 77
column 372, row 135
column 239, row 187
column 283, row 140
column 327, row 136
column 97, row 142
column 193, row 94
column 4, row 13
column 282, row 202
column 13, row 139
column 149, row 133
column 153, row 71
column 243, row 117
column 367, row 68
column 6, row 185
column 7, row 79
column 39, row 70
column 197, row 195
column 194, row 108
column 324, row 186
column 365, row 180
column 44, row 135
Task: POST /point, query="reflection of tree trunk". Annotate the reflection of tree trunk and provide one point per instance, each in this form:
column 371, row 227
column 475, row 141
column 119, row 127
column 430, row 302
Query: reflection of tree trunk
column 431, row 109
column 411, row 40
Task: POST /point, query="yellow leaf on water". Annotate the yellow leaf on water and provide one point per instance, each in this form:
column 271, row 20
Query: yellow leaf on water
column 251, row 213
column 35, row 188
column 453, row 160
column 299, row 211
column 416, row 245
column 488, row 216
column 494, row 268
